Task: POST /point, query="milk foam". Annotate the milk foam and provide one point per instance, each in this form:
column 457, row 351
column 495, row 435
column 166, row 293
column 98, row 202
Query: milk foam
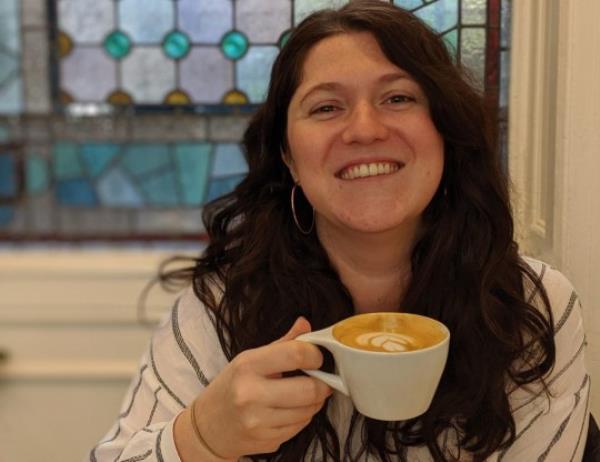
column 388, row 341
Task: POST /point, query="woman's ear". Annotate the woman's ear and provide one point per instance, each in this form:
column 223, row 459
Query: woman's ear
column 289, row 162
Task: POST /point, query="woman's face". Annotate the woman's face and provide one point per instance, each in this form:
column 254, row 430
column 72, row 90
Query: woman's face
column 361, row 141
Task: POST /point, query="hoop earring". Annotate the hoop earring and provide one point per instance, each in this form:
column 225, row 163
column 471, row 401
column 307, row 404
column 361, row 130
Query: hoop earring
column 293, row 203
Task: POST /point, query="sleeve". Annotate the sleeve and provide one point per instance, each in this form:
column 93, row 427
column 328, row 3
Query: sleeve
column 554, row 428
column 182, row 358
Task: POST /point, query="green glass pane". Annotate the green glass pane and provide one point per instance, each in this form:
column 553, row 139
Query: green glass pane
column 284, row 38
column 234, row 45
column 176, row 45
column 141, row 159
column 97, row 156
column 37, row 175
column 65, row 160
column 451, row 41
column 117, row 44
column 161, row 190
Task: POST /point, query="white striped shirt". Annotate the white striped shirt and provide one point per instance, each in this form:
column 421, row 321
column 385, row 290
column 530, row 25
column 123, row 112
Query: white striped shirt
column 184, row 355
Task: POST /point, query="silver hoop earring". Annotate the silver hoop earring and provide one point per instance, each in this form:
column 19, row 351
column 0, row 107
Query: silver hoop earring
column 293, row 203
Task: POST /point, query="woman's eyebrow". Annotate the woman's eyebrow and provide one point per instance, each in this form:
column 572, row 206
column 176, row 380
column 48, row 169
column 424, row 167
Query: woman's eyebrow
column 332, row 86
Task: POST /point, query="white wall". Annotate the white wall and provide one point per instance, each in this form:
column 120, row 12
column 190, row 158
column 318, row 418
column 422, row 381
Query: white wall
column 554, row 130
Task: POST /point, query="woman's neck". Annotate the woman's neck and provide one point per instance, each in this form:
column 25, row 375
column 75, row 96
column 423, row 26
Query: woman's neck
column 374, row 267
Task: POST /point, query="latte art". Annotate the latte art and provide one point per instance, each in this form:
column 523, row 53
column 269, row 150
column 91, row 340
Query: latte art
column 387, row 341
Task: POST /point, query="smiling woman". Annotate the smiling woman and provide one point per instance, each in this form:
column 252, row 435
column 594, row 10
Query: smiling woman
column 388, row 140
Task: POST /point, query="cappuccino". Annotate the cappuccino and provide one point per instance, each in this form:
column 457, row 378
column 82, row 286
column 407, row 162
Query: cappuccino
column 389, row 332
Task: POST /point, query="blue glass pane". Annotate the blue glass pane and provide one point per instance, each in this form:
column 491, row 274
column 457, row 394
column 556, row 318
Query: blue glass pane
column 115, row 189
column 302, row 8
column 9, row 66
column 6, row 215
column 97, row 156
column 11, row 97
column 205, row 21
column 219, row 187
column 505, row 23
column 229, row 160
column 66, row 161
column 408, row 4
column 253, row 72
column 440, row 15
column 10, row 38
column 75, row 192
column 140, row 159
column 193, row 161
column 8, row 182
column 37, row 175
column 147, row 22
column 161, row 190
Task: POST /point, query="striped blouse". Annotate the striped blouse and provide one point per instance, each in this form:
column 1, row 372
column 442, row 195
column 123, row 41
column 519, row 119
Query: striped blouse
column 184, row 355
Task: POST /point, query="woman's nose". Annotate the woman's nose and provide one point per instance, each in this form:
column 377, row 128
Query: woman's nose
column 364, row 125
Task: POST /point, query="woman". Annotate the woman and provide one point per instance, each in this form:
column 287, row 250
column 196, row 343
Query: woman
column 385, row 152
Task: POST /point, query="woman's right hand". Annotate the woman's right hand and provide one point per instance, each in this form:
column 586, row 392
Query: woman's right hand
column 249, row 408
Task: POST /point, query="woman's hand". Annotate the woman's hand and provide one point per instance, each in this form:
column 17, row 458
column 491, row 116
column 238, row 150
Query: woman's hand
column 250, row 409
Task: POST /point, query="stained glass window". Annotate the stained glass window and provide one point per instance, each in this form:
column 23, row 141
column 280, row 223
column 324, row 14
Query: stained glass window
column 92, row 168
column 11, row 97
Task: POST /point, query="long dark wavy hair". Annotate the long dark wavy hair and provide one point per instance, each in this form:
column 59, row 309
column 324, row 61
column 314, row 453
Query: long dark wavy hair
column 466, row 271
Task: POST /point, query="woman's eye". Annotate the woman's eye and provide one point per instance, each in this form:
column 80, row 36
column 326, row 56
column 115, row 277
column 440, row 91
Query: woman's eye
column 400, row 99
column 324, row 109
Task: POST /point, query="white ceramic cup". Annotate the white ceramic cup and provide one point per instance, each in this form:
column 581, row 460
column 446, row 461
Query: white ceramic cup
column 384, row 385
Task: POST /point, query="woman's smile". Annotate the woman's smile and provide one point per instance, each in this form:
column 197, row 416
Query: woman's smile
column 368, row 170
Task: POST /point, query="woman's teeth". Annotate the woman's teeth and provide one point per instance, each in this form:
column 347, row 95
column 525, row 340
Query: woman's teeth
column 366, row 170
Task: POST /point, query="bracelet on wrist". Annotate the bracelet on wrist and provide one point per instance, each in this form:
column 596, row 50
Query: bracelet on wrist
column 199, row 436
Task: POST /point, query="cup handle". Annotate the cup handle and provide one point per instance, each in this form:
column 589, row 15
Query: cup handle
column 323, row 338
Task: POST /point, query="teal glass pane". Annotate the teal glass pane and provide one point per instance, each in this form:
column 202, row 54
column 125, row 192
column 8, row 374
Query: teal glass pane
column 205, row 21
column 142, row 159
column 474, row 12
column 408, row 4
column 263, row 21
column 77, row 192
column 86, row 21
column 451, row 41
column 253, row 71
column 440, row 15
column 37, row 175
column 7, row 214
column 116, row 189
column 8, row 181
column 117, row 44
column 65, row 161
column 234, row 45
column 97, row 156
column 161, row 190
column 228, row 160
column 302, row 8
column 283, row 39
column 176, row 45
column 221, row 186
column 146, row 22
column 193, row 161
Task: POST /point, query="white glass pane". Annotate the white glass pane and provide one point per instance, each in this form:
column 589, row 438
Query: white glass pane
column 88, row 74
column 302, row 8
column 262, row 21
column 205, row 21
column 254, row 70
column 11, row 97
column 86, row 20
column 147, row 22
column 473, row 52
column 206, row 75
column 474, row 11
column 9, row 66
column 408, row 4
column 148, row 75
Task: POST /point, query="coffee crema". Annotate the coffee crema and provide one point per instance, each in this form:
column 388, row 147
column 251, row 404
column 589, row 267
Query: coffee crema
column 389, row 332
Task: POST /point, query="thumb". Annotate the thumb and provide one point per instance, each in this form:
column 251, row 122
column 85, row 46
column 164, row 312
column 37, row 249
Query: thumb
column 300, row 326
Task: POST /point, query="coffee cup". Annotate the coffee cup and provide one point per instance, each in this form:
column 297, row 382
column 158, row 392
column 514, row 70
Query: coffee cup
column 388, row 363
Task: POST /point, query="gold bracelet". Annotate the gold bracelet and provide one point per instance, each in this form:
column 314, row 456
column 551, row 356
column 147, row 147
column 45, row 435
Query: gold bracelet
column 199, row 437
